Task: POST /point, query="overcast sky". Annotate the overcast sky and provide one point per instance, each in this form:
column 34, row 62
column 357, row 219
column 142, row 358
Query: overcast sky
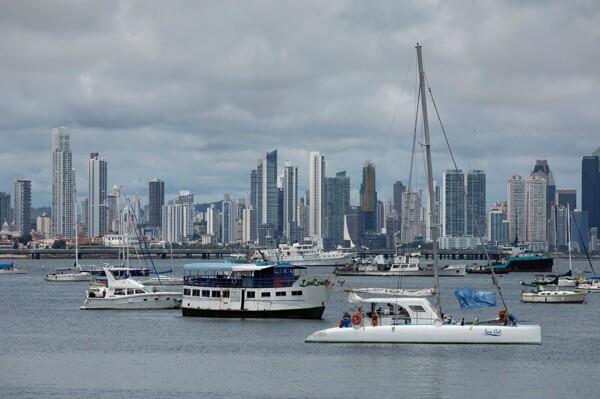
column 194, row 92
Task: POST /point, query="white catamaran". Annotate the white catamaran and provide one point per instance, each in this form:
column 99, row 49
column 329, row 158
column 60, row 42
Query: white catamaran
column 413, row 319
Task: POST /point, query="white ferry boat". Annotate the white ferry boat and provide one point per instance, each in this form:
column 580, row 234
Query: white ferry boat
column 408, row 264
column 309, row 255
column 258, row 290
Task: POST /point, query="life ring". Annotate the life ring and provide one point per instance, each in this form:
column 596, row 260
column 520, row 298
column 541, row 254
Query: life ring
column 356, row 318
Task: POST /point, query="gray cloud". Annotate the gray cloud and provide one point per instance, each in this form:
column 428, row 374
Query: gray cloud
column 195, row 92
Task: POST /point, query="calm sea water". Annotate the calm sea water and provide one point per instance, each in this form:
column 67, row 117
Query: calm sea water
column 51, row 349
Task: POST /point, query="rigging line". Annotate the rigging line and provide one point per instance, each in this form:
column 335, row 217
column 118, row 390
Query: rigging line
column 387, row 140
column 469, row 205
column 584, row 246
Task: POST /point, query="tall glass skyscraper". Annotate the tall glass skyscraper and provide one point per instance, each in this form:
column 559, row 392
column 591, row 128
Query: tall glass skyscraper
column 337, row 199
column 453, row 199
column 23, row 206
column 316, row 181
column 368, row 196
column 536, row 208
column 476, row 198
column 156, row 199
column 97, row 208
column 517, row 207
column 63, row 184
column 4, row 209
column 290, row 202
column 590, row 188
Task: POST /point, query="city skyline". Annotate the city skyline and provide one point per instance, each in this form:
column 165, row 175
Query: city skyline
column 513, row 82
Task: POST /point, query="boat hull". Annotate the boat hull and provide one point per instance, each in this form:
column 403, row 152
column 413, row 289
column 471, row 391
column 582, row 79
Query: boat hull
column 540, row 264
column 67, row 277
column 431, row 334
column 452, row 271
column 158, row 300
column 554, row 297
column 303, row 313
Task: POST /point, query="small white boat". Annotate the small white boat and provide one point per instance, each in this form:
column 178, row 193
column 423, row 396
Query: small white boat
column 589, row 285
column 163, row 280
column 554, row 296
column 306, row 255
column 128, row 294
column 68, row 275
column 9, row 268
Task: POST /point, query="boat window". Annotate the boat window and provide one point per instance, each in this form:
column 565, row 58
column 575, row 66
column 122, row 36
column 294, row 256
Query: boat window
column 280, row 293
column 265, row 294
column 130, row 291
column 138, row 291
column 250, row 294
column 416, row 308
column 225, row 294
column 119, row 291
column 195, row 292
column 296, row 293
column 206, row 293
column 216, row 294
column 186, row 291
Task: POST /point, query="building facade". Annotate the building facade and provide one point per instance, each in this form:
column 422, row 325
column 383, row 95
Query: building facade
column 97, row 208
column 336, row 200
column 315, row 183
column 63, row 184
column 590, row 188
column 156, row 200
column 23, row 206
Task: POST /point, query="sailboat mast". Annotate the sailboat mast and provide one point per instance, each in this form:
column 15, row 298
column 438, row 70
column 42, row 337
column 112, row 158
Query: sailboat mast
column 569, row 235
column 432, row 208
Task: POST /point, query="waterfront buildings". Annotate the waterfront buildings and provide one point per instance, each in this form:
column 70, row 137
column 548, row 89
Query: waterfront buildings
column 63, row 184
column 97, row 209
column 23, row 206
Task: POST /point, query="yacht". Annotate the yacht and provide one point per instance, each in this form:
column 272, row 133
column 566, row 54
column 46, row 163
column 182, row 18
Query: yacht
column 127, row 293
column 308, row 255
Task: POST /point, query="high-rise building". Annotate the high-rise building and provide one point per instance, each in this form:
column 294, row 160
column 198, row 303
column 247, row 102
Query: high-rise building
column 23, row 206
column 399, row 190
column 290, row 202
column 97, row 208
column 229, row 217
column 536, row 208
column 517, row 208
column 264, row 191
column 541, row 167
column 498, row 228
column 368, row 196
column 186, row 198
column 566, row 197
column 173, row 220
column 213, row 222
column 336, row 200
column 156, row 199
column 316, row 180
column 63, row 184
column 4, row 208
column 42, row 224
column 476, row 198
column 580, row 230
column 590, row 188
column 453, row 199
column 412, row 225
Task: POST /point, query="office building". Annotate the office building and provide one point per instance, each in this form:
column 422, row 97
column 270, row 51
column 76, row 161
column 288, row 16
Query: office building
column 315, row 183
column 536, row 208
column 186, row 198
column 23, row 206
column 336, row 200
column 97, row 207
column 63, row 185
column 368, row 196
column 476, row 203
column 453, row 199
column 590, row 188
column 156, row 199
column 290, row 202
column 517, row 208
column 5, row 208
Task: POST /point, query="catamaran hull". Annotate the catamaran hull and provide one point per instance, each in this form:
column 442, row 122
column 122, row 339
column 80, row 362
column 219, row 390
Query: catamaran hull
column 430, row 334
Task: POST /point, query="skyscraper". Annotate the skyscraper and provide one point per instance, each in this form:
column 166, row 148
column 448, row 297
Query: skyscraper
column 264, row 192
column 412, row 226
column 536, row 208
column 156, row 199
column 63, row 184
column 316, row 182
column 290, row 202
column 4, row 209
column 97, row 207
column 453, row 199
column 541, row 167
column 517, row 207
column 368, row 196
column 566, row 197
column 590, row 188
column 23, row 206
column 186, row 198
column 336, row 200
column 476, row 197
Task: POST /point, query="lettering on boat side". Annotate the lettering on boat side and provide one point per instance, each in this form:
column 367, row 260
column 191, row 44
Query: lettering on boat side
column 313, row 282
column 493, row 333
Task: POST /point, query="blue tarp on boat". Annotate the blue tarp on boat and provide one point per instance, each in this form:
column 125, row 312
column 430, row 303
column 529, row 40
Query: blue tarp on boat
column 470, row 298
column 6, row 265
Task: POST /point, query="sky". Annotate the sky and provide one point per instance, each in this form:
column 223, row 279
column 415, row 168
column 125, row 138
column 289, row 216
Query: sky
column 194, row 92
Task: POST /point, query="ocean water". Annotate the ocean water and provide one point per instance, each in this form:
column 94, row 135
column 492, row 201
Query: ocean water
column 51, row 349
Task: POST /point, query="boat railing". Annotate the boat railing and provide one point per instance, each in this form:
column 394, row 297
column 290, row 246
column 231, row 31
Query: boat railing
column 239, row 282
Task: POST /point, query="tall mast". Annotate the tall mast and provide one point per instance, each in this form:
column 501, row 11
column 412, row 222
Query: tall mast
column 427, row 145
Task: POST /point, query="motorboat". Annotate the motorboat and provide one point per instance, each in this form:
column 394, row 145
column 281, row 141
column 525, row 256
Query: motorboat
column 306, row 255
column 127, row 293
column 254, row 290
column 404, row 265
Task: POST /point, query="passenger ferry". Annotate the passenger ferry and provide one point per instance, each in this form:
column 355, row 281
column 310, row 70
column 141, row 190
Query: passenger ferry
column 254, row 290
